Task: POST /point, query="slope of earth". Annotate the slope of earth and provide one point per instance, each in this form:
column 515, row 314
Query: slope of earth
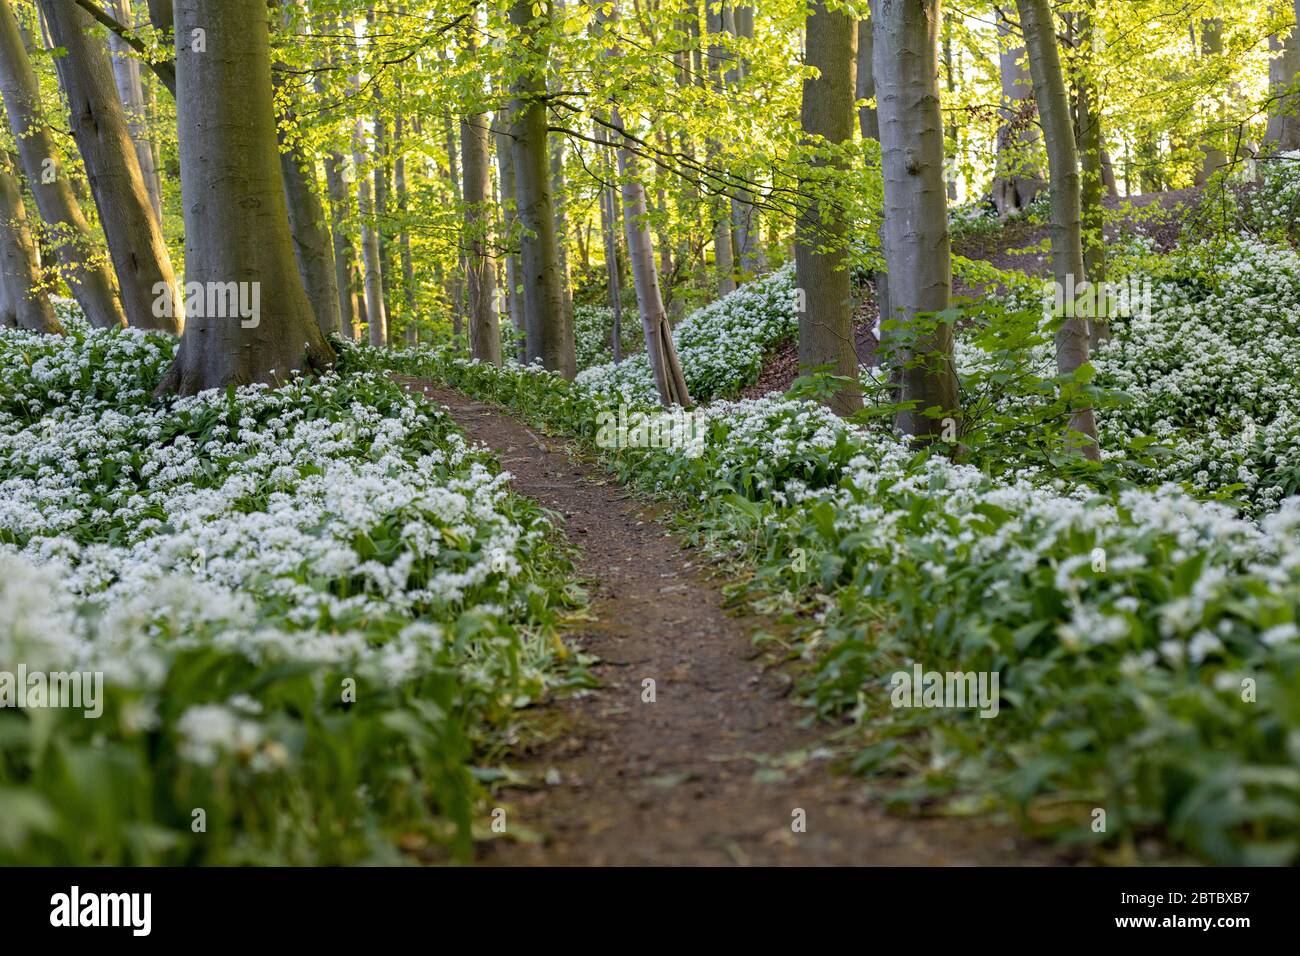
column 1020, row 245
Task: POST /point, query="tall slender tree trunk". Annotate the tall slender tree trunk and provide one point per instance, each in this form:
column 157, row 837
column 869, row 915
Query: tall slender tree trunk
column 1072, row 339
column 89, row 279
column 456, row 291
column 723, row 260
column 510, row 222
column 868, row 119
column 130, row 91
column 312, row 246
column 403, row 210
column 1283, row 131
column 1087, row 121
column 1018, row 179
column 549, row 336
column 658, row 334
column 99, row 126
column 376, row 314
column 915, row 230
column 745, row 224
column 236, row 222
column 23, row 301
column 821, row 245
column 484, row 330
column 1214, row 156
column 345, row 253
column 609, row 235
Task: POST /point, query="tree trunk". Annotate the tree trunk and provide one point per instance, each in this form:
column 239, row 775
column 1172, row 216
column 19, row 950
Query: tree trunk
column 723, row 260
column 609, row 234
column 345, row 253
column 746, row 226
column 1018, row 179
column 23, row 301
column 1063, row 169
column 1215, row 156
column 456, row 292
column 915, row 230
column 404, row 233
column 821, row 247
column 868, row 119
column 89, row 279
column 1092, row 188
column 135, row 240
column 130, row 91
column 510, row 221
column 312, row 246
column 236, row 222
column 549, row 337
column 313, row 249
column 484, row 330
column 1283, row 131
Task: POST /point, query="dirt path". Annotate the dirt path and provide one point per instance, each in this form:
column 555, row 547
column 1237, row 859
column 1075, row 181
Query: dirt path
column 698, row 776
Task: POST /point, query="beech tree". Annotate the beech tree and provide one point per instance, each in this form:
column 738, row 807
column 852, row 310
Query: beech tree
column 130, row 90
column 236, row 220
column 85, row 273
column 99, row 125
column 549, row 338
column 821, row 244
column 1072, row 337
column 915, row 231
column 24, row 301
column 1018, row 179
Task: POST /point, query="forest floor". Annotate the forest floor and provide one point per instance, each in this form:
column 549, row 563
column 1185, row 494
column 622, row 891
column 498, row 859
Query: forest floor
column 1020, row 245
column 717, row 768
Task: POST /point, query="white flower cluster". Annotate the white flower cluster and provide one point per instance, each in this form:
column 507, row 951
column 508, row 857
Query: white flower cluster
column 721, row 346
column 337, row 522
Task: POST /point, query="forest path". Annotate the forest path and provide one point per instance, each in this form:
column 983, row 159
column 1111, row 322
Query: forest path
column 714, row 769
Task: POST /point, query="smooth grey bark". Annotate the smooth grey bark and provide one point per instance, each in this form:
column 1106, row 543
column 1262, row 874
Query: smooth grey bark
column 24, row 302
column 746, row 227
column 480, row 273
column 510, row 226
column 723, row 260
column 108, row 151
column 456, row 291
column 821, row 230
column 402, row 192
column 915, row 230
column 657, row 331
column 1214, row 156
column 130, row 91
column 1283, row 130
column 549, row 337
column 1017, row 179
column 345, row 253
column 161, row 15
column 1087, row 119
column 376, row 314
column 609, row 238
column 313, row 248
column 236, row 221
column 561, row 224
column 87, row 276
column 950, row 129
column 1072, row 338
column 99, row 126
column 868, row 120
